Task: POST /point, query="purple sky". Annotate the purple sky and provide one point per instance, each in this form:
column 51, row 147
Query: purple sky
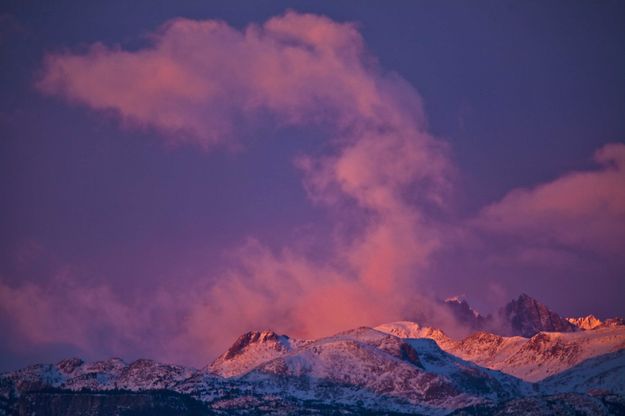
column 168, row 184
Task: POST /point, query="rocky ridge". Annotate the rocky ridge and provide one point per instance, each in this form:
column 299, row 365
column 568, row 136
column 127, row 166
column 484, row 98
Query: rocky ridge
column 396, row 368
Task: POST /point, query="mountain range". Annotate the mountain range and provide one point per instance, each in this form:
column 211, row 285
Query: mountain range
column 525, row 359
column 524, row 316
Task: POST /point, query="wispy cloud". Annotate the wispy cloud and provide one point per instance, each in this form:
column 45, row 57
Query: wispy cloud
column 206, row 84
column 203, row 82
column 580, row 210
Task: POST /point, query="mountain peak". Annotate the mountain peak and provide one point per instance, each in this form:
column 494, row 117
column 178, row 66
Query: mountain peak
column 253, row 337
column 466, row 318
column 527, row 317
column 462, row 311
column 523, row 316
column 249, row 350
column 363, row 370
column 529, row 301
column 586, row 322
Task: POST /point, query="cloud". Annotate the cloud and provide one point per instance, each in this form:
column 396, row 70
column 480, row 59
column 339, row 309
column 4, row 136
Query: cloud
column 582, row 210
column 67, row 311
column 560, row 240
column 382, row 175
column 90, row 318
column 206, row 84
column 200, row 79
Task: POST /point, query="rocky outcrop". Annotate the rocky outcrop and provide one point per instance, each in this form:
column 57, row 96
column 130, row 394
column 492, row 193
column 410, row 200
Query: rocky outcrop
column 586, row 322
column 525, row 316
column 251, row 349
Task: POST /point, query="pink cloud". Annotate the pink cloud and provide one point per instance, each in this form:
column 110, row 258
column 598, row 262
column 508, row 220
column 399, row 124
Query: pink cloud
column 579, row 210
column 204, row 83
column 190, row 325
column 99, row 322
column 67, row 311
column 199, row 79
column 290, row 293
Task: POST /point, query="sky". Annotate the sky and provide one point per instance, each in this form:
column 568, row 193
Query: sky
column 177, row 173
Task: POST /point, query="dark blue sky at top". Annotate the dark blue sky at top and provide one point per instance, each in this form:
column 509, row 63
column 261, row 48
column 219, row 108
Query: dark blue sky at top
column 522, row 90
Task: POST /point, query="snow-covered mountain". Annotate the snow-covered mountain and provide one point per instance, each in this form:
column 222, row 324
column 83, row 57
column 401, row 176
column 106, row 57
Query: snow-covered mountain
column 112, row 374
column 590, row 322
column 367, row 366
column 602, row 373
column 396, row 368
column 586, row 322
column 524, row 316
column 531, row 359
column 250, row 350
column 407, row 329
column 362, row 367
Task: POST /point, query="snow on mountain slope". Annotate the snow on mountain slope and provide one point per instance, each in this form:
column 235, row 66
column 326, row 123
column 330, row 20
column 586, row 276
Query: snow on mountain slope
column 549, row 353
column 462, row 372
column 250, row 350
column 149, row 375
column 397, row 367
column 605, row 372
column 33, row 377
column 592, row 322
column 369, row 366
column 586, row 322
column 74, row 374
column 487, row 349
column 533, row 359
column 362, row 367
column 407, row 329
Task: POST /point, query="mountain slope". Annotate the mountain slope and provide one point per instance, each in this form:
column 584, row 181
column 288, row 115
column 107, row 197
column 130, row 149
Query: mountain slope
column 75, row 374
column 407, row 329
column 586, row 322
column 605, row 372
column 396, row 368
column 548, row 353
column 532, row 359
column 250, row 350
column 364, row 367
column 371, row 367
